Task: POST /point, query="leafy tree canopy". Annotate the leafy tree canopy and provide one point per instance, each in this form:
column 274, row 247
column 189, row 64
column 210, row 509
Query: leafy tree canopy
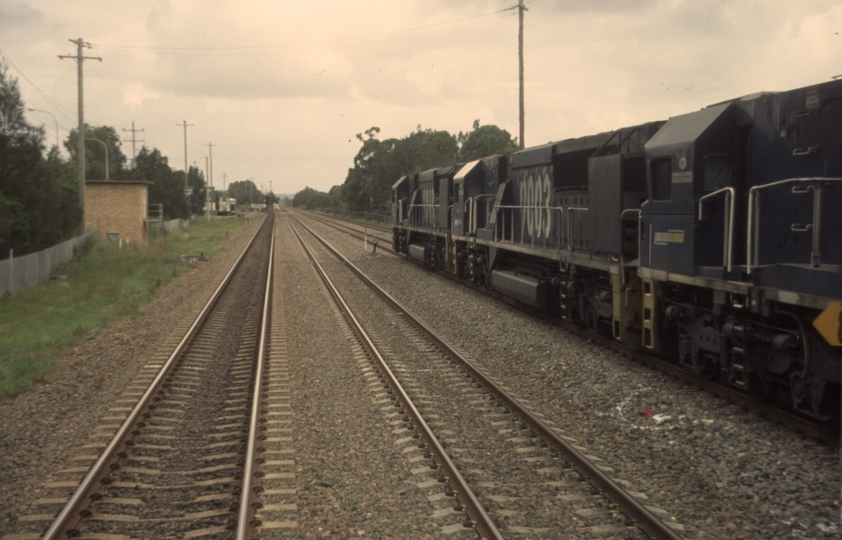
column 167, row 185
column 38, row 195
column 246, row 192
column 95, row 153
column 378, row 164
column 198, row 192
column 310, row 199
column 485, row 141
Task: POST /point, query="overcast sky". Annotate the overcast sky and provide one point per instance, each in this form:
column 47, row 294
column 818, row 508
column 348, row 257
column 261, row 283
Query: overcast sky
column 281, row 88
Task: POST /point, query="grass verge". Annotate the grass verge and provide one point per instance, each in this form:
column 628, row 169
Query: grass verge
column 103, row 285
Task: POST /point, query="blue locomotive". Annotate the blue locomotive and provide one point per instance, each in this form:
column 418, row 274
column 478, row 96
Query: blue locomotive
column 714, row 238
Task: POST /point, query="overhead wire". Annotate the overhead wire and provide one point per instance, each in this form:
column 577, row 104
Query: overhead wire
column 59, row 107
column 124, row 85
column 238, row 50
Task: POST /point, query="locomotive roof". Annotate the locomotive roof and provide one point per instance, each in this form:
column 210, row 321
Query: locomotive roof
column 686, row 128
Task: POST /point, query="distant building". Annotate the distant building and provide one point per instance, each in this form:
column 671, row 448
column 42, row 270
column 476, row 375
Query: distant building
column 119, row 209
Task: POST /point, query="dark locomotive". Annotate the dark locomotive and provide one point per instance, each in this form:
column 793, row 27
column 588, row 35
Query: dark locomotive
column 713, row 239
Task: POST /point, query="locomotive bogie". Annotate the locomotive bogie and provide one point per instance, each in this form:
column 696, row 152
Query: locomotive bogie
column 777, row 355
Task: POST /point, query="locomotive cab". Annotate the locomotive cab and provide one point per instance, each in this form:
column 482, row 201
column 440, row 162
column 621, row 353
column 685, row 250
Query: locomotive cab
column 737, row 255
column 400, row 207
column 691, row 169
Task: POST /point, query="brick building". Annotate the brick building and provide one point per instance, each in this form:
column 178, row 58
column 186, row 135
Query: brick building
column 117, row 208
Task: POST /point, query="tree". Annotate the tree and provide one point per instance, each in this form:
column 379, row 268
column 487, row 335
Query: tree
column 95, row 153
column 38, row 198
column 245, row 191
column 310, row 199
column 379, row 163
column 197, row 198
column 485, row 141
column 335, row 197
column 167, row 185
column 435, row 149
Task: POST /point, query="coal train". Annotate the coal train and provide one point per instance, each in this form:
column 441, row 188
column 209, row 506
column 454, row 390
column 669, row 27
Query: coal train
column 713, row 239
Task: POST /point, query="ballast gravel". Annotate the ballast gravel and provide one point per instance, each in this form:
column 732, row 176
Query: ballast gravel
column 352, row 479
column 718, row 471
column 43, row 428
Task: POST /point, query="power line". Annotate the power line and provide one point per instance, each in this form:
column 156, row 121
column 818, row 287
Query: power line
column 122, row 86
column 116, row 106
column 348, row 41
column 45, row 96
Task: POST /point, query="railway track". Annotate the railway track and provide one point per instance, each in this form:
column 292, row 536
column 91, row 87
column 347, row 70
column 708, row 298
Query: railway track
column 511, row 472
column 825, row 434
column 357, row 230
column 182, row 449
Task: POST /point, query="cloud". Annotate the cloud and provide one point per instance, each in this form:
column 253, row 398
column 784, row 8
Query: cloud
column 281, row 87
column 20, row 17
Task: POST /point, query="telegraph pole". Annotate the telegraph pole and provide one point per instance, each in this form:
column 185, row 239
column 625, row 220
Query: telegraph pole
column 186, row 125
column 207, row 191
column 210, row 146
column 521, row 9
column 80, row 147
column 134, row 153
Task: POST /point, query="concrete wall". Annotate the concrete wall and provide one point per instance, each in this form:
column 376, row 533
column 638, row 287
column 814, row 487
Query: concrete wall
column 117, row 208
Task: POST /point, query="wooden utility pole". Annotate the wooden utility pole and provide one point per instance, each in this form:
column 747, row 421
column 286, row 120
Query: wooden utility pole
column 80, row 147
column 521, row 9
column 210, row 170
column 134, row 152
column 207, row 191
column 186, row 125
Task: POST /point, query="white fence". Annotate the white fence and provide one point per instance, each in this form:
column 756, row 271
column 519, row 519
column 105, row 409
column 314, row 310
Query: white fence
column 18, row 273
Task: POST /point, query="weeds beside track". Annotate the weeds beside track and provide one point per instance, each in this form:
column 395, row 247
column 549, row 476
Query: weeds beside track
column 107, row 284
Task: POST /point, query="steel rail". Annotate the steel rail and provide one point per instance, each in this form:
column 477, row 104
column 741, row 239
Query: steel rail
column 637, row 512
column 809, row 428
column 353, row 233
column 476, row 512
column 378, row 226
column 246, row 510
column 70, row 515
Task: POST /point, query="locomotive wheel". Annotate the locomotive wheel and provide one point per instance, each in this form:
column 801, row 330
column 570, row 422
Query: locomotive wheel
column 761, row 388
column 709, row 369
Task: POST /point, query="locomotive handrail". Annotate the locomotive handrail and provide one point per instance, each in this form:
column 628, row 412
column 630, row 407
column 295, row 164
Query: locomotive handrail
column 728, row 236
column 416, row 220
column 488, row 197
column 512, row 208
column 473, row 216
column 753, row 224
